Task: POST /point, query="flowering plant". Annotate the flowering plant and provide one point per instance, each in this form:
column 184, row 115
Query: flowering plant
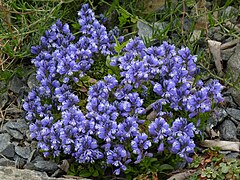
column 113, row 128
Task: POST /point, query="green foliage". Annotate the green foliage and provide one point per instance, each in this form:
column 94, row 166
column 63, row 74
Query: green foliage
column 148, row 166
column 24, row 22
column 87, row 170
column 212, row 165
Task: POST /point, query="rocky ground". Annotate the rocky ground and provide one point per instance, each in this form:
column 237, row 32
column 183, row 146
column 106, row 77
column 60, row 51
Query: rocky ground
column 20, row 158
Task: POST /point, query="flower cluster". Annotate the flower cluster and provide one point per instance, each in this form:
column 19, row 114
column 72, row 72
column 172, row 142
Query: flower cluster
column 114, row 128
column 172, row 75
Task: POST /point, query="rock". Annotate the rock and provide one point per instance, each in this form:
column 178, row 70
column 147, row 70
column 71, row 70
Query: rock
column 235, row 113
column 6, row 162
column 235, row 94
column 19, row 124
column 219, row 115
column 11, row 173
column 43, row 166
column 32, row 81
column 38, row 158
column 213, row 31
column 236, row 122
column 228, row 131
column 230, row 13
column 19, row 162
column 15, row 84
column 228, row 101
column 238, row 131
column 23, row 152
column 218, row 36
column 32, row 155
column 9, row 151
column 3, row 99
column 58, row 173
column 227, row 53
column 144, row 30
column 15, row 134
column 4, row 141
column 21, row 95
column 232, row 156
column 233, row 65
column 16, row 129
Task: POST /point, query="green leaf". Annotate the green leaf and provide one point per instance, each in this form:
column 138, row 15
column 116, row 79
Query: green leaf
column 91, row 169
column 114, row 5
column 119, row 46
column 85, row 173
column 224, row 168
column 95, row 173
column 134, row 19
column 76, row 26
column 165, row 167
column 122, row 21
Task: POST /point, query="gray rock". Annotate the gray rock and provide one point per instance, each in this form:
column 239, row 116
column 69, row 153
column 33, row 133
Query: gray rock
column 228, row 100
column 144, row 30
column 219, row 115
column 235, row 113
column 15, row 84
column 214, row 30
column 32, row 155
column 236, row 122
column 230, row 13
column 19, row 124
column 227, row 53
column 4, row 141
column 58, row 173
column 43, row 166
column 218, row 36
column 3, row 99
column 15, row 133
column 238, row 131
column 228, row 131
column 233, row 65
column 19, row 162
column 21, row 95
column 232, row 156
column 11, row 173
column 6, row 162
column 235, row 94
column 37, row 158
column 9, row 151
column 23, row 152
column 32, row 81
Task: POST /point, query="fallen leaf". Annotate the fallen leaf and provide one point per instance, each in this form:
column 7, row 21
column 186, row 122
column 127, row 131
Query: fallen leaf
column 215, row 49
column 153, row 5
